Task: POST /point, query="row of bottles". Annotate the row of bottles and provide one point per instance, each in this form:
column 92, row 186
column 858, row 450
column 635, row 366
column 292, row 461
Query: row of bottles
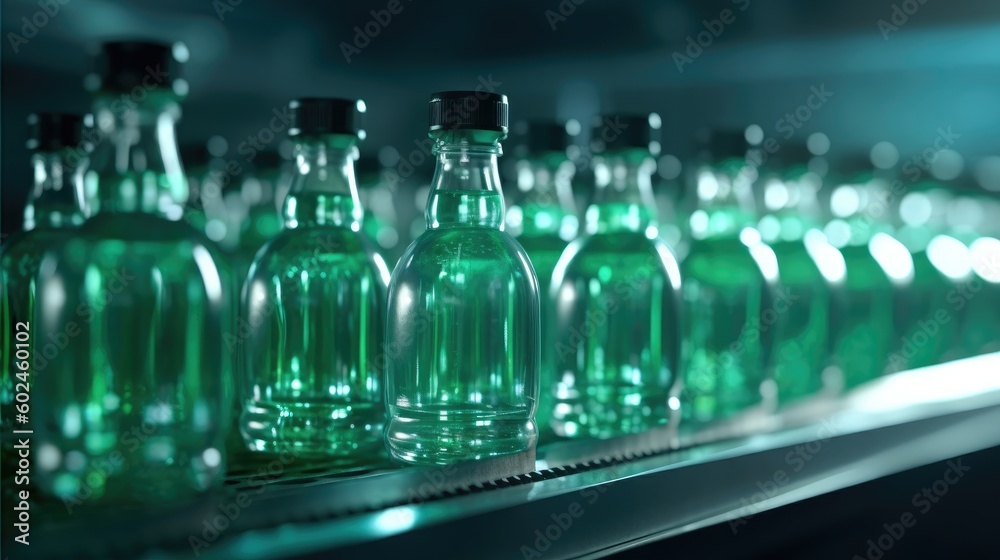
column 177, row 325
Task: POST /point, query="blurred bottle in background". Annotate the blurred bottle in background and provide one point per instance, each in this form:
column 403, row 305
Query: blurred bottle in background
column 378, row 196
column 135, row 407
column 617, row 293
column 207, row 178
column 258, row 191
column 926, row 323
column 545, row 223
column 581, row 151
column 672, row 203
column 875, row 265
column 256, row 203
column 725, row 274
column 972, row 217
column 52, row 211
column 796, row 312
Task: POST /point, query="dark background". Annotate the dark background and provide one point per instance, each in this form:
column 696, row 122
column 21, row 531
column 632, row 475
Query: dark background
column 940, row 68
column 839, row 525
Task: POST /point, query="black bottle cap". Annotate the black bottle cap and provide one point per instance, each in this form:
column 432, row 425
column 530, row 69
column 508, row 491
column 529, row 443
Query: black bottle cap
column 618, row 132
column 722, row 144
column 327, row 115
column 537, row 137
column 126, row 65
column 468, row 110
column 48, row 132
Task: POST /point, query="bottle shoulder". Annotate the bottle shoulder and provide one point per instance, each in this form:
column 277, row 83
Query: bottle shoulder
column 474, row 247
column 22, row 252
column 545, row 243
column 629, row 253
column 727, row 261
column 863, row 269
column 138, row 241
column 796, row 264
column 325, row 251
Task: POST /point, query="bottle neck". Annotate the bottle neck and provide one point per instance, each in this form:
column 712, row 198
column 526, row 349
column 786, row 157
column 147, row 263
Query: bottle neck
column 324, row 190
column 858, row 210
column 465, row 191
column 790, row 206
column 624, row 199
column 725, row 201
column 135, row 166
column 53, row 200
column 547, row 207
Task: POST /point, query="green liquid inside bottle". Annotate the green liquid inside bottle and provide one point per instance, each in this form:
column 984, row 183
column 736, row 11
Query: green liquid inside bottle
column 617, row 292
column 136, row 402
column 926, row 320
column 723, row 290
column 462, row 339
column 861, row 312
column 974, row 220
column 548, row 223
column 51, row 216
column 795, row 314
column 314, row 305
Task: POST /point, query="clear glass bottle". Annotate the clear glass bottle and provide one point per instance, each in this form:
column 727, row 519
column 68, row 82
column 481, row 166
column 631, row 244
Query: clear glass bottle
column 462, row 339
column 257, row 190
column 314, row 305
column 51, row 214
column 617, row 292
column 672, row 203
column 725, row 274
column 926, row 321
column 547, row 223
column 975, row 220
column 875, row 264
column 378, row 197
column 796, row 311
column 134, row 407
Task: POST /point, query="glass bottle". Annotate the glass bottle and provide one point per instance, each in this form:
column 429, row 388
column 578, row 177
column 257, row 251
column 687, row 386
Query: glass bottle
column 926, row 321
column 875, row 263
column 257, row 190
column 796, row 311
column 378, row 197
column 314, row 304
column 462, row 339
column 974, row 218
column 50, row 214
column 134, row 408
column 672, row 203
column 725, row 274
column 617, row 291
column 547, row 223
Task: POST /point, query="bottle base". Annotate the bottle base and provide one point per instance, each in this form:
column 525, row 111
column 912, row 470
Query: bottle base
column 430, row 438
column 347, row 433
column 609, row 413
column 163, row 470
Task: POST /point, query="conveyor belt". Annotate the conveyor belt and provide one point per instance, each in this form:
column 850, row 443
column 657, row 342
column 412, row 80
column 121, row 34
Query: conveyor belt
column 627, row 491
